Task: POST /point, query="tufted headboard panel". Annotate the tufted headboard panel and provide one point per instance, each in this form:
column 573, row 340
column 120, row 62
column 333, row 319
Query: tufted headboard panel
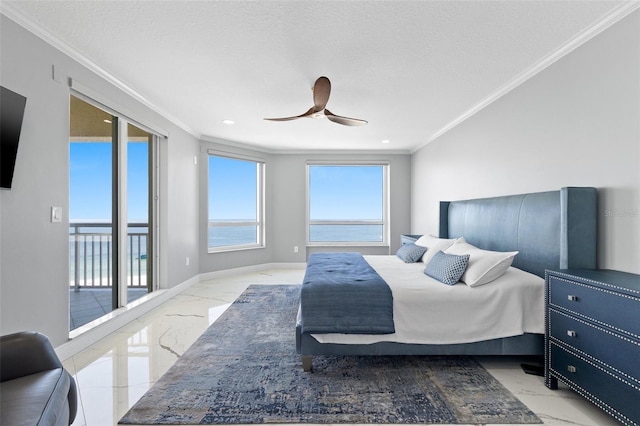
column 556, row 229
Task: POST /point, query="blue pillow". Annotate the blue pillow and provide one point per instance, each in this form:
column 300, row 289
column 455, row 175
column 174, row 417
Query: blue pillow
column 447, row 268
column 410, row 253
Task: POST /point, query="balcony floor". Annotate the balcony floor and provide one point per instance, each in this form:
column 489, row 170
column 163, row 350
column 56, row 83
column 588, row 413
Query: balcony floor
column 89, row 304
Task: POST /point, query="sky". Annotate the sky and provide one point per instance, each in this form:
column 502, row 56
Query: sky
column 346, row 192
column 231, row 183
column 90, row 181
column 337, row 192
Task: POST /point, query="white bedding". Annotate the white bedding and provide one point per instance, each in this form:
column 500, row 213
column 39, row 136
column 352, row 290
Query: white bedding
column 428, row 312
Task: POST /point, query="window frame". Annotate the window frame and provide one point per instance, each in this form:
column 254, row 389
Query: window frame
column 260, row 205
column 385, row 207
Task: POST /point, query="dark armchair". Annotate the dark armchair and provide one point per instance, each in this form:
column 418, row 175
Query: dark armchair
column 34, row 387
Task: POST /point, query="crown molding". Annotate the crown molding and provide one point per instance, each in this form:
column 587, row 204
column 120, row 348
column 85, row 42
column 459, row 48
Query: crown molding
column 290, row 151
column 609, row 20
column 236, row 144
column 30, row 25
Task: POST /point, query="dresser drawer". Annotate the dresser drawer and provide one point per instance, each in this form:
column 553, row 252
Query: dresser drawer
column 619, row 352
column 611, row 394
column 619, row 311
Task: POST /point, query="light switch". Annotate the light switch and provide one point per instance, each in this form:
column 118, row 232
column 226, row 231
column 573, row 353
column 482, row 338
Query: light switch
column 56, row 214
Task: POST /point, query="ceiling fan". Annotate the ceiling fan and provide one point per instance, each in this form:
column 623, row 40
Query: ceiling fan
column 321, row 91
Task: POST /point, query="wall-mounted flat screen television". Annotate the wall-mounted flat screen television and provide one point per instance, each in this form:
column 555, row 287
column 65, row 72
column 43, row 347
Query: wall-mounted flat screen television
column 11, row 114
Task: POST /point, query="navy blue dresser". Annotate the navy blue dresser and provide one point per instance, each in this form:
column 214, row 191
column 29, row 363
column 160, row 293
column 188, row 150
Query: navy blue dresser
column 592, row 339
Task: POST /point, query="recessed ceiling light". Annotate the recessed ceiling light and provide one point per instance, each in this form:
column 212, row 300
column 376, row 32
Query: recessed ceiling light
column 107, row 121
column 228, row 122
column 386, row 141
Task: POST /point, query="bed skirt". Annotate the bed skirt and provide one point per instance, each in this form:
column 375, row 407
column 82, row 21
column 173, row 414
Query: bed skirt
column 526, row 344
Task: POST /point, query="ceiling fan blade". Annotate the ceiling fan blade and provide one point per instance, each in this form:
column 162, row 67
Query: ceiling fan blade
column 321, row 92
column 344, row 120
column 306, row 114
column 283, row 118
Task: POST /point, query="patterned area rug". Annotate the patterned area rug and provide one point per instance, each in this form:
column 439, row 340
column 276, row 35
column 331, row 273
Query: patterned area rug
column 244, row 369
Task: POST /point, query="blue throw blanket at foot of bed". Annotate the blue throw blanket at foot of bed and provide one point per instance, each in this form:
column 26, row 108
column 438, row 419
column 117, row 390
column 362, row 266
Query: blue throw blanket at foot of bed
column 342, row 293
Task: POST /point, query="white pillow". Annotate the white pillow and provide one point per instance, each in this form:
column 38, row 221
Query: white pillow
column 484, row 265
column 433, row 245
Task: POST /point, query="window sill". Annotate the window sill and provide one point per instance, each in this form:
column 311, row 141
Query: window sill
column 234, row 248
column 346, row 244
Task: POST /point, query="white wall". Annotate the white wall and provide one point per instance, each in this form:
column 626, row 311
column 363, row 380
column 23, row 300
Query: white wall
column 34, row 263
column 577, row 123
column 286, row 209
column 179, row 210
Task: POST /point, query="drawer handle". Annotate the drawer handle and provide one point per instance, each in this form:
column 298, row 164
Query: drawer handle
column 571, row 369
column 571, row 333
column 572, row 297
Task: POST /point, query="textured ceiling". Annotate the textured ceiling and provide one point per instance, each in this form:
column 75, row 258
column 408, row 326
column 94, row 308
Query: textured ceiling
column 411, row 68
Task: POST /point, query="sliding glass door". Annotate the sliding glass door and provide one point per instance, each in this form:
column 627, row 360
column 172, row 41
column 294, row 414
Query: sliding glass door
column 139, row 204
column 111, row 207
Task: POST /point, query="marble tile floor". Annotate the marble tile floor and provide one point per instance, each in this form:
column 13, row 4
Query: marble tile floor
column 115, row 372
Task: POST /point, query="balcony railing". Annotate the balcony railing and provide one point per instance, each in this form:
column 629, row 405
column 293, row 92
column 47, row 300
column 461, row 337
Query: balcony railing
column 91, row 255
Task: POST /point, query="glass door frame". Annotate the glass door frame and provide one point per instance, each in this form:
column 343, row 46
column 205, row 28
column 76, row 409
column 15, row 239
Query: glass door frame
column 120, row 209
column 119, row 198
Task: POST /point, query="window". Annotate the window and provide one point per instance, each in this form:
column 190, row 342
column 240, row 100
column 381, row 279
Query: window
column 347, row 203
column 236, row 203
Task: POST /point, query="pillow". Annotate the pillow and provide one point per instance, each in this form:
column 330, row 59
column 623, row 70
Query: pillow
column 410, row 253
column 447, row 268
column 433, row 245
column 484, row 265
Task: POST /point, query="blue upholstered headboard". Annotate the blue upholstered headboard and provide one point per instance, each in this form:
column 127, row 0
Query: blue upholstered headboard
column 556, row 229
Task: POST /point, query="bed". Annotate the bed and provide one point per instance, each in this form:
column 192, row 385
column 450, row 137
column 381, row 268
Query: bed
column 548, row 230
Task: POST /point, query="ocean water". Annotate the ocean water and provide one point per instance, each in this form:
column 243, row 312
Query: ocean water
column 94, row 259
column 345, row 233
column 232, row 235
column 237, row 235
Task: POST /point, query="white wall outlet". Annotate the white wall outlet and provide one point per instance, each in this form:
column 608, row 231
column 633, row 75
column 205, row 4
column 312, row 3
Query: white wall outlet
column 186, row 261
column 295, row 249
column 56, row 214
